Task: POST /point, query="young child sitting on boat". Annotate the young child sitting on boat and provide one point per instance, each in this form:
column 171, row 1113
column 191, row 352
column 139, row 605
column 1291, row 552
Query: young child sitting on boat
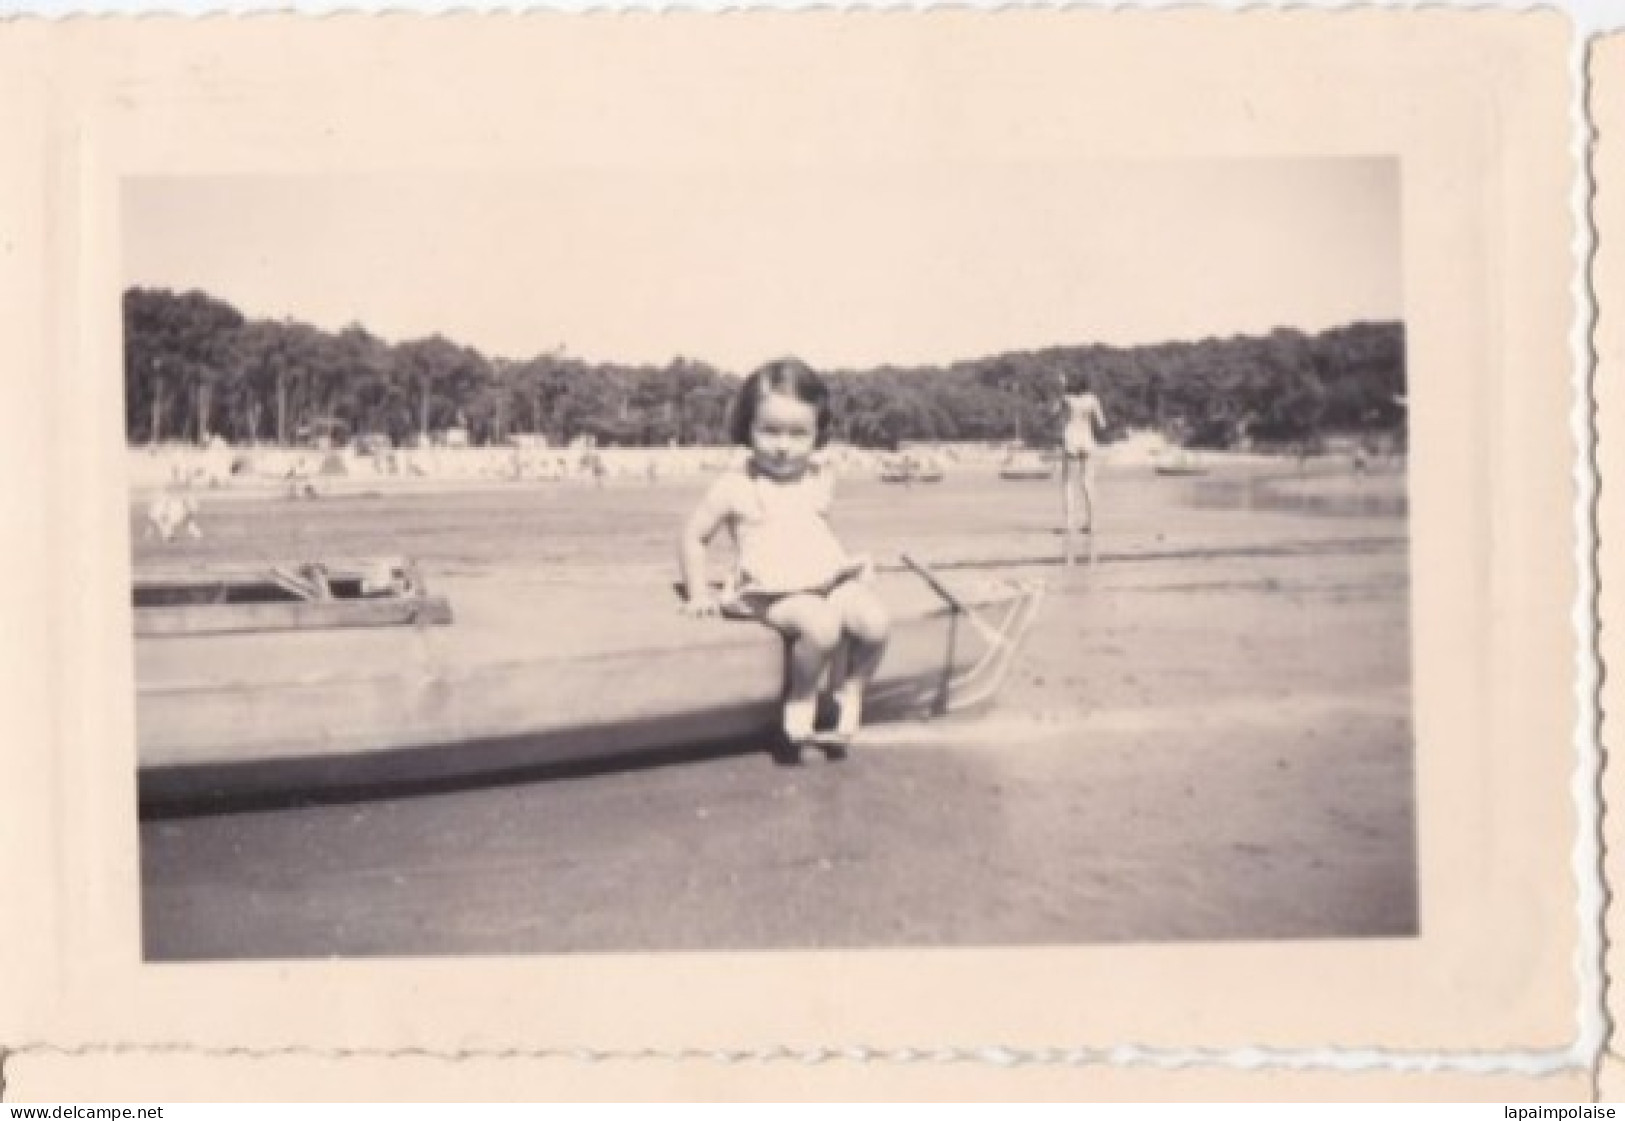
column 792, row 572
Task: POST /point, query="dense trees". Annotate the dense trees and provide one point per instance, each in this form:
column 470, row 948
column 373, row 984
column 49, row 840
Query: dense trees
column 195, row 367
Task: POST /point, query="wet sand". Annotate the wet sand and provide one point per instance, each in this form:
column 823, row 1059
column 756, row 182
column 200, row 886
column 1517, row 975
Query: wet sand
column 1207, row 737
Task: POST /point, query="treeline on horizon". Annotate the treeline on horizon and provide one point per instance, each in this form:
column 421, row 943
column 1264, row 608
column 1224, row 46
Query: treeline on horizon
column 196, row 367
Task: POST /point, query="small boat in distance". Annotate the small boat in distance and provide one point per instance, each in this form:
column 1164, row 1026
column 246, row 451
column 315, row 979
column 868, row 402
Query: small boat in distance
column 1181, row 462
column 530, row 676
column 911, row 469
column 1027, row 467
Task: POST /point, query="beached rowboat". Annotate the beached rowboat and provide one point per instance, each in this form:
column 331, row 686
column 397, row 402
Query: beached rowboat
column 227, row 599
column 530, row 675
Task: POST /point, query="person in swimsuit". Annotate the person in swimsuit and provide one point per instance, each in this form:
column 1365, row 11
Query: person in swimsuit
column 1081, row 418
column 792, row 572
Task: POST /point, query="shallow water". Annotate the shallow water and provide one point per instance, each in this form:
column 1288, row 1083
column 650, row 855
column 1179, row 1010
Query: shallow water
column 1319, row 495
column 973, row 515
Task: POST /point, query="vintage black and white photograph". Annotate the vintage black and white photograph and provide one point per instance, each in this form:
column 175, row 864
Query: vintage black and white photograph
column 783, row 557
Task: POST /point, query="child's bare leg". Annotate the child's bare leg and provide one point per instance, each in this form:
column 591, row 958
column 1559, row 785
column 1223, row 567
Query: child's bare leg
column 814, row 629
column 867, row 626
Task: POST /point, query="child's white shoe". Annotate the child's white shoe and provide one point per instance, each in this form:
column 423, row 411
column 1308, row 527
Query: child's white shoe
column 849, row 719
column 799, row 718
column 850, row 702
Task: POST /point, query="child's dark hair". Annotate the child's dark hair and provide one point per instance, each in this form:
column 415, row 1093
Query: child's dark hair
column 793, row 378
column 1077, row 381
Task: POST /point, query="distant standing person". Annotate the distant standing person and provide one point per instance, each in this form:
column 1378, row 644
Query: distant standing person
column 1081, row 419
column 792, row 573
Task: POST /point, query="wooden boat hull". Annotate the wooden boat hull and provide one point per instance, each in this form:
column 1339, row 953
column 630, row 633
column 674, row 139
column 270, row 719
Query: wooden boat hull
column 505, row 689
column 255, row 618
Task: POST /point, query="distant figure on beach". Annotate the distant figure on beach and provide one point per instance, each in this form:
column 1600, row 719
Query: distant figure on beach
column 792, row 573
column 169, row 514
column 1081, row 417
column 594, row 463
column 1361, row 460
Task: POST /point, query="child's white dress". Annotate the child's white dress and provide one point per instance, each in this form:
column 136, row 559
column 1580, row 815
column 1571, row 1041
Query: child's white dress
column 783, row 536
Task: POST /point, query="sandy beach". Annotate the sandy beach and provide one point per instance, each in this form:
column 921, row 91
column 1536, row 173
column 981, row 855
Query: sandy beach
column 1207, row 736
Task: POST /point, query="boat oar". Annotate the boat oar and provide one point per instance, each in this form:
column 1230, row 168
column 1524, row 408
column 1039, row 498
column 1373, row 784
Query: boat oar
column 990, row 634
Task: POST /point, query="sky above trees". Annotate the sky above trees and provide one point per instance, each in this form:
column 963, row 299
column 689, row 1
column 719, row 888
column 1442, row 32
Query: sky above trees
column 846, row 266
